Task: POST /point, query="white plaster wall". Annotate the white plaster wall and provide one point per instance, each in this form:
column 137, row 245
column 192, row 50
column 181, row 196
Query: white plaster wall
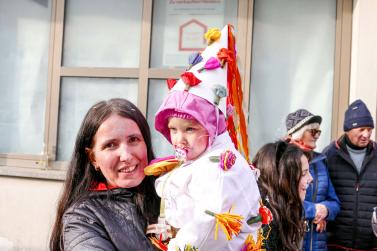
column 27, row 211
column 27, row 206
column 364, row 54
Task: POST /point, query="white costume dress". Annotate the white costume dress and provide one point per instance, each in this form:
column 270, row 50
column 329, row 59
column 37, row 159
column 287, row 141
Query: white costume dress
column 202, row 185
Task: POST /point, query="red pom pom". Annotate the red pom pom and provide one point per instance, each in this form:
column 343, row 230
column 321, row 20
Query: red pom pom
column 189, row 79
column 171, row 83
column 266, row 215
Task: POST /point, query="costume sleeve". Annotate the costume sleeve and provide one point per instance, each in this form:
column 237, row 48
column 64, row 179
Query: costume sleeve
column 332, row 201
column 218, row 191
column 83, row 233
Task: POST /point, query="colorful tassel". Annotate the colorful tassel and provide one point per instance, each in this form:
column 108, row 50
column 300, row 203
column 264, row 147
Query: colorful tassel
column 188, row 247
column 211, row 64
column 220, row 92
column 226, row 160
column 171, row 83
column 236, row 124
column 229, row 110
column 212, row 35
column 194, row 58
column 190, row 80
column 265, row 215
column 224, row 55
column 158, row 243
column 230, row 223
column 251, row 245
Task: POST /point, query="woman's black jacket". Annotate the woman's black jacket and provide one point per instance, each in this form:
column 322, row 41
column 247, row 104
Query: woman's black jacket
column 106, row 220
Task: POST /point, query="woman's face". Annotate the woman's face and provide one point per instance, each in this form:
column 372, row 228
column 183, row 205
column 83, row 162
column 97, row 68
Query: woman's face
column 119, row 151
column 188, row 135
column 311, row 136
column 305, row 179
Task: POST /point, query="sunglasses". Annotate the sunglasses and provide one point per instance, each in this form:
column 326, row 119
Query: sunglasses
column 315, row 132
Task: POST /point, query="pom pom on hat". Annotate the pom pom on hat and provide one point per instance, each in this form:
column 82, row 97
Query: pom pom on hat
column 208, row 70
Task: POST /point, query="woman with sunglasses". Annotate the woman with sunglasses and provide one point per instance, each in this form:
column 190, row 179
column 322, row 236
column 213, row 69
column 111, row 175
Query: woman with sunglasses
column 321, row 202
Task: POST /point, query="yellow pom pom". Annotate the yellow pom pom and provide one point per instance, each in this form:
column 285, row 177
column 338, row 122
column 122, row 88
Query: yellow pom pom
column 212, row 35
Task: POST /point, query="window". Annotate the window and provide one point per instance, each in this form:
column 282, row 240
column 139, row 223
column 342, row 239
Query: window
column 61, row 56
column 293, row 56
column 156, row 94
column 24, row 43
column 77, row 95
column 100, row 36
column 178, row 28
column 102, row 33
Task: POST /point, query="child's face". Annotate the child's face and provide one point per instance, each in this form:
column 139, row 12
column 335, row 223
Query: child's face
column 188, row 135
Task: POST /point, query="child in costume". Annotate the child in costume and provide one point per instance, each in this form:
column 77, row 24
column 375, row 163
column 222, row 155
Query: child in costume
column 209, row 186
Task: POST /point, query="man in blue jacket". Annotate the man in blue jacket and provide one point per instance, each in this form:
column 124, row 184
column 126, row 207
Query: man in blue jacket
column 321, row 202
column 352, row 163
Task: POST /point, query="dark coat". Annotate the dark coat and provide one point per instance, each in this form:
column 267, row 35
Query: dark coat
column 107, row 220
column 358, row 195
column 320, row 191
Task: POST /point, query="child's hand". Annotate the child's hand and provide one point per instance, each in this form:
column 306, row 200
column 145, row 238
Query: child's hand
column 321, row 212
column 321, row 226
column 162, row 230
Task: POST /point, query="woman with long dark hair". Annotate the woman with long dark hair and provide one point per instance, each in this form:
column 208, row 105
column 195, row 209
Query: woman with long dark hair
column 107, row 201
column 284, row 178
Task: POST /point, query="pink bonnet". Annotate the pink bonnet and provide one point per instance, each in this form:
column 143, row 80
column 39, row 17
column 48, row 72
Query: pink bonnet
column 186, row 105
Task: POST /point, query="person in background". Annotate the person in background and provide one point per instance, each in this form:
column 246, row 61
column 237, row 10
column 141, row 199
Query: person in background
column 352, row 163
column 107, row 201
column 321, row 202
column 283, row 181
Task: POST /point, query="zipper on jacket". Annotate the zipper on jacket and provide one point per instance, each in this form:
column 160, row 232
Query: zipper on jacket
column 357, row 187
column 314, row 200
column 311, row 236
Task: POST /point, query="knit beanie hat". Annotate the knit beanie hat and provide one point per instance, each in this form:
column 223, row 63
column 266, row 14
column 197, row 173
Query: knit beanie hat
column 357, row 115
column 296, row 120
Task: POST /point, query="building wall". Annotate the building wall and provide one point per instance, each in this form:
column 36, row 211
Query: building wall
column 27, row 206
column 27, row 211
column 364, row 54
